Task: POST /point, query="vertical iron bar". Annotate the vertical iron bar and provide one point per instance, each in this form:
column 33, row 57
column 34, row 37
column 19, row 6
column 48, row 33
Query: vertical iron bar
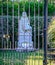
column 18, row 20
column 10, row 45
column 2, row 22
column 29, row 34
column 18, row 29
column 42, row 31
column 7, row 23
column 29, row 17
column 13, row 24
column 24, row 6
column 45, row 32
column 24, row 20
column 34, row 27
column 29, row 10
column 38, row 32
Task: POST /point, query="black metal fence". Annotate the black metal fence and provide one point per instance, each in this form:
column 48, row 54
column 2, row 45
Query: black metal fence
column 9, row 25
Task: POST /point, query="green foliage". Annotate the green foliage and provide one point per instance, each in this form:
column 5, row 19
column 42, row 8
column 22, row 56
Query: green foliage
column 51, row 33
column 51, row 8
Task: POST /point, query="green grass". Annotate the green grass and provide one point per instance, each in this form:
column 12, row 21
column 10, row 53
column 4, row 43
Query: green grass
column 21, row 58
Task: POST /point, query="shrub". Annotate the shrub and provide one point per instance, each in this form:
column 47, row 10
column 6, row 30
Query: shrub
column 51, row 33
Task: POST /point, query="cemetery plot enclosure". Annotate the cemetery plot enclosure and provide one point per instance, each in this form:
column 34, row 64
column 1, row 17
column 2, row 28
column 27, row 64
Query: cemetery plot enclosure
column 25, row 32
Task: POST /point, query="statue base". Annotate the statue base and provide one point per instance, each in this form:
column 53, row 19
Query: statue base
column 25, row 47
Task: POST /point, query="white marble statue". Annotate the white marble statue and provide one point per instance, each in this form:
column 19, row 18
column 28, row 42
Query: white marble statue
column 25, row 32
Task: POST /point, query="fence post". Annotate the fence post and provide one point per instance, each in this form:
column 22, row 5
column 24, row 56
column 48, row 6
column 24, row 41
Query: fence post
column 45, row 31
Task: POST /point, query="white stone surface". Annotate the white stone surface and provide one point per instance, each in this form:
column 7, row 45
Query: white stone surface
column 25, row 32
